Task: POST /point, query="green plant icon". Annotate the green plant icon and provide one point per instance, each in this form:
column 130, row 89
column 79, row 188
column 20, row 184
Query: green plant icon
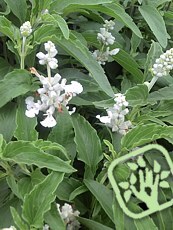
column 143, row 182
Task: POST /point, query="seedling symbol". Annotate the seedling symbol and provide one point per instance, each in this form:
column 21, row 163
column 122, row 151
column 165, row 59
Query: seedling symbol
column 143, row 182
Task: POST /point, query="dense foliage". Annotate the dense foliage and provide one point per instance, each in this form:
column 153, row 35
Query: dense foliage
column 114, row 59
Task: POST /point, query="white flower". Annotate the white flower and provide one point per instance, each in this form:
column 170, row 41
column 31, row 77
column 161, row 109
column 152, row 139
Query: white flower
column 48, row 59
column 105, row 37
column 164, row 64
column 114, row 51
column 74, row 88
column 109, row 25
column 32, row 107
column 115, row 118
column 26, row 29
column 46, row 227
column 49, row 121
column 69, row 216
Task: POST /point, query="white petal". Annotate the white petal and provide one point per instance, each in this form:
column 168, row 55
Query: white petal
column 30, row 113
column 49, row 121
column 114, row 51
column 40, row 55
column 104, row 119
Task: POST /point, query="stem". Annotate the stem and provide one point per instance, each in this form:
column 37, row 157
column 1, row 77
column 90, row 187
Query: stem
column 152, row 82
column 49, row 73
column 22, row 60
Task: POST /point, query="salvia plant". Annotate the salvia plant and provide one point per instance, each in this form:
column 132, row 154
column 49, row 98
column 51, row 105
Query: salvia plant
column 82, row 84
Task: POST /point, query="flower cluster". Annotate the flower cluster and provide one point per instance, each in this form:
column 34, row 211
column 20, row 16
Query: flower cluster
column 116, row 115
column 106, row 39
column 68, row 215
column 164, row 64
column 54, row 92
column 48, row 59
column 26, row 29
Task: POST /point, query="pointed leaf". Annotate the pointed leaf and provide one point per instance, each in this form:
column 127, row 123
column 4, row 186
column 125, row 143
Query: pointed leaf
column 133, row 178
column 26, row 153
column 164, row 184
column 141, row 162
column 93, row 225
column 87, row 142
column 127, row 195
column 157, row 167
column 17, row 220
column 164, row 174
column 124, row 185
column 39, row 200
column 154, row 20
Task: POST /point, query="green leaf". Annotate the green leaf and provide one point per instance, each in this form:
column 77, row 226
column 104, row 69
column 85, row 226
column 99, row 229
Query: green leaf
column 19, row 8
column 39, row 200
column 5, row 68
column 141, row 162
column 87, row 142
column 74, row 47
column 26, row 153
column 7, row 120
column 127, row 195
column 155, row 21
column 165, row 93
column 103, row 195
column 93, row 225
column 137, row 95
column 129, row 64
column 53, row 219
column 60, row 5
column 143, row 134
column 156, row 167
column 63, row 133
column 133, row 179
column 25, row 129
column 132, row 166
column 164, row 184
column 154, row 52
column 17, row 220
column 164, row 174
column 15, row 83
column 124, row 185
column 8, row 29
column 77, row 192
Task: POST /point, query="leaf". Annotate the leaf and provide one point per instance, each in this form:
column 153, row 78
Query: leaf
column 137, row 95
column 15, row 83
column 8, row 29
column 19, row 8
column 87, row 142
column 104, row 196
column 154, row 52
column 132, row 166
column 25, row 129
column 143, row 134
column 156, row 167
column 74, row 47
column 17, row 220
column 5, row 68
column 164, row 174
column 164, row 184
column 124, row 185
column 165, row 93
column 63, row 133
column 77, row 191
column 26, row 153
column 141, row 162
column 60, row 5
column 7, row 120
column 127, row 195
column 62, row 25
column 133, row 179
column 93, row 225
column 128, row 63
column 53, row 219
column 155, row 21
column 39, row 200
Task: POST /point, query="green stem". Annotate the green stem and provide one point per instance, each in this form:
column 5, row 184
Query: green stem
column 22, row 61
column 152, row 82
column 49, row 73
